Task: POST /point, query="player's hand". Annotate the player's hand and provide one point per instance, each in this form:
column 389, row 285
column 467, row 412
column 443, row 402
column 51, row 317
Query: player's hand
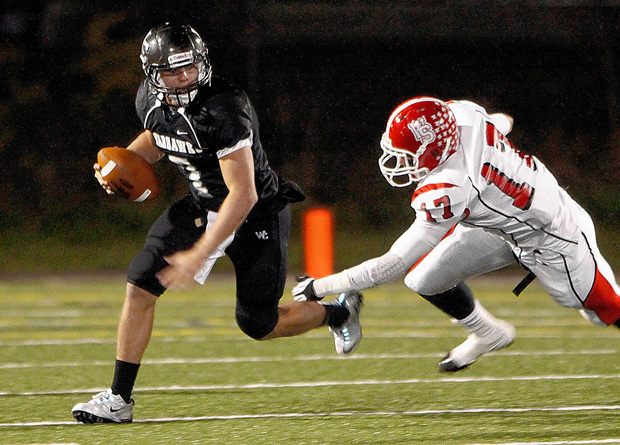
column 304, row 291
column 181, row 270
column 102, row 182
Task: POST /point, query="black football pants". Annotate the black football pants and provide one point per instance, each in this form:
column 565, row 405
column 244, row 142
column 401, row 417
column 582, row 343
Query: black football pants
column 258, row 253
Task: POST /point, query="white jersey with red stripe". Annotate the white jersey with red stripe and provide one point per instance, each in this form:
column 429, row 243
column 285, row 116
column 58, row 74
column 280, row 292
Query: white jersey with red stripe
column 490, row 184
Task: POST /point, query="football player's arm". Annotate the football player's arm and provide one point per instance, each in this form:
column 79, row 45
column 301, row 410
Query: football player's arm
column 238, row 173
column 144, row 145
column 412, row 245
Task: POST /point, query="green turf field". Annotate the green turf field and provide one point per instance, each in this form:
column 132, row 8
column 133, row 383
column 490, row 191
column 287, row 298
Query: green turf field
column 202, row 381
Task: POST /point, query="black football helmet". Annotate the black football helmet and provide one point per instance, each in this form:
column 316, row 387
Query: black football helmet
column 167, row 47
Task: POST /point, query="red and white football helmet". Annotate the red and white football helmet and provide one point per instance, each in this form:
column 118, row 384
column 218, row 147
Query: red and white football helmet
column 421, row 134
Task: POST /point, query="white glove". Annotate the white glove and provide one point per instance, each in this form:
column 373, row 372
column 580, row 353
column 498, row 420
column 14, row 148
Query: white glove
column 304, row 291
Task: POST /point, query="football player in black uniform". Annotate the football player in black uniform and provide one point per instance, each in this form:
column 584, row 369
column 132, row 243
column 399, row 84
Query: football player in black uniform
column 237, row 205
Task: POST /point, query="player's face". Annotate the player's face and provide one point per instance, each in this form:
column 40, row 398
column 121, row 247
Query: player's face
column 180, row 77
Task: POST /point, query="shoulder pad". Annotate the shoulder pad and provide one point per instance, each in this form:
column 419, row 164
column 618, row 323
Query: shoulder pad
column 144, row 100
column 466, row 112
column 226, row 117
column 501, row 122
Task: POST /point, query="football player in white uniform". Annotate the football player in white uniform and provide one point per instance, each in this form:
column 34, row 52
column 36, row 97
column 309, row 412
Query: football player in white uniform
column 480, row 205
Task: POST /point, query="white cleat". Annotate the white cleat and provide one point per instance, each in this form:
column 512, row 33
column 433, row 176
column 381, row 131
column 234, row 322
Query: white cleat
column 104, row 407
column 348, row 336
column 501, row 335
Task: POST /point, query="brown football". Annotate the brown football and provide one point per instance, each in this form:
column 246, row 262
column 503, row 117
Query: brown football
column 129, row 174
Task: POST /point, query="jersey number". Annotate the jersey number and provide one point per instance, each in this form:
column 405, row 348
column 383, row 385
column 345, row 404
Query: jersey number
column 522, row 194
column 501, row 143
column 192, row 174
column 443, row 201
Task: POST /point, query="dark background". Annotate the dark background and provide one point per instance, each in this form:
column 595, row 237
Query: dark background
column 324, row 77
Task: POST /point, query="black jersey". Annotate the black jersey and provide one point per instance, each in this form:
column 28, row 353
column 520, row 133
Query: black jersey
column 218, row 119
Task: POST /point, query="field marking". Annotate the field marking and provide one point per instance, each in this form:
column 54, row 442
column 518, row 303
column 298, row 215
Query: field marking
column 42, row 313
column 197, row 339
column 213, row 360
column 58, row 342
column 75, row 320
column 327, row 383
column 557, row 442
column 424, row 412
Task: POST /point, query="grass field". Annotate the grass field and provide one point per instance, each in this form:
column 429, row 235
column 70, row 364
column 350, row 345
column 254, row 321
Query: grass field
column 202, row 381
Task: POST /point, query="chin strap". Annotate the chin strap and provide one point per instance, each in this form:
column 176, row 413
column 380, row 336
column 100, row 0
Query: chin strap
column 182, row 99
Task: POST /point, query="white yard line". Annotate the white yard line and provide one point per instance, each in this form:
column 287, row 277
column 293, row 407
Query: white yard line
column 558, row 442
column 601, row 335
column 359, row 414
column 207, row 360
column 372, row 382
column 76, row 320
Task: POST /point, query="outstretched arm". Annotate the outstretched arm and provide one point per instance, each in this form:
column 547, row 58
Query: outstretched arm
column 408, row 249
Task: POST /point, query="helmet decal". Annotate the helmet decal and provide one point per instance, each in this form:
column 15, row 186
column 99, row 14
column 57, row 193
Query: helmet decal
column 180, row 59
column 422, row 130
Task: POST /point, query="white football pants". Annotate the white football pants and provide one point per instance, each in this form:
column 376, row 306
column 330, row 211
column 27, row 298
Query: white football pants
column 570, row 275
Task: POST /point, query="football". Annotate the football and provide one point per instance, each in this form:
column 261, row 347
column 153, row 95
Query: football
column 129, row 174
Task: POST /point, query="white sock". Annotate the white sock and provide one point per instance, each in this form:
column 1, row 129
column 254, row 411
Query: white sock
column 479, row 322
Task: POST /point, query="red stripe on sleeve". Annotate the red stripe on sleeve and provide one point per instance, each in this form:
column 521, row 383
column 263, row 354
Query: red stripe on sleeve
column 429, row 187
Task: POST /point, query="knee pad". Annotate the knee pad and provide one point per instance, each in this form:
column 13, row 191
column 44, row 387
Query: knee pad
column 257, row 324
column 143, row 268
column 419, row 283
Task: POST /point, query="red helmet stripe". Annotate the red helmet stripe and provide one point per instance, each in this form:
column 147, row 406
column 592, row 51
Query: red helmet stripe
column 404, row 105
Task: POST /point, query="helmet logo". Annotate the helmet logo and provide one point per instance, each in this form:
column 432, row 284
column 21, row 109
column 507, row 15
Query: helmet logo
column 179, row 58
column 422, row 130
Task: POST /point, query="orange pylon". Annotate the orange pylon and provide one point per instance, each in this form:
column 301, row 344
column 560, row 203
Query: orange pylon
column 318, row 239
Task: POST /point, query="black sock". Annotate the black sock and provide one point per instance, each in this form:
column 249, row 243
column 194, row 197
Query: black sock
column 125, row 374
column 457, row 302
column 335, row 315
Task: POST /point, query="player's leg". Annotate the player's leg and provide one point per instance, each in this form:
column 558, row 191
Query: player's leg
column 134, row 333
column 176, row 229
column 135, row 324
column 603, row 298
column 578, row 276
column 440, row 279
column 133, row 336
column 464, row 253
column 259, row 255
column 260, row 269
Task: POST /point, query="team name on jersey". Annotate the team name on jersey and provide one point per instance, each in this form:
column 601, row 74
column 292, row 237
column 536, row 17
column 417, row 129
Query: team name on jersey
column 177, row 145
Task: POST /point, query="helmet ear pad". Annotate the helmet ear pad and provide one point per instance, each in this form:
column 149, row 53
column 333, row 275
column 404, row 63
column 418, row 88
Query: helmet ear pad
column 422, row 133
